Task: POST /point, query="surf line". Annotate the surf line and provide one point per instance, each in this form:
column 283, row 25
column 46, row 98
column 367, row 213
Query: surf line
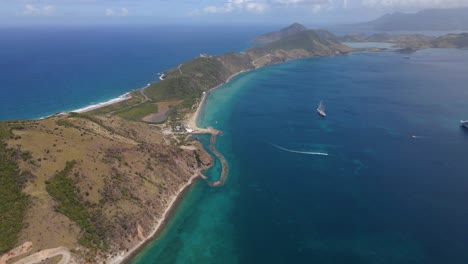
column 299, row 152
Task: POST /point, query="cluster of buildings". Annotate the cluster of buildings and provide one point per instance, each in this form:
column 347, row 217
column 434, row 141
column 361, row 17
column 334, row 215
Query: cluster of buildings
column 183, row 129
column 204, row 55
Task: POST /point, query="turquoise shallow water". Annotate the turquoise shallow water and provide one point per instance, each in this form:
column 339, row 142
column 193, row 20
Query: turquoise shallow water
column 381, row 196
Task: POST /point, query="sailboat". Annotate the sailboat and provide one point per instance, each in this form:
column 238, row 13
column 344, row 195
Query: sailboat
column 321, row 109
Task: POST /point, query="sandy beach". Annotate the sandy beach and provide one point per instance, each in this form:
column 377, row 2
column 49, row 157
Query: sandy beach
column 89, row 108
column 123, row 97
column 192, row 121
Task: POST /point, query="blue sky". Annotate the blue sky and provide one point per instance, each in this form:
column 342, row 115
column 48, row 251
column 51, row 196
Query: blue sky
column 309, row 12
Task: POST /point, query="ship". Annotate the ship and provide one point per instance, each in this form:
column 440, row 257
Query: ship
column 321, row 109
column 464, row 123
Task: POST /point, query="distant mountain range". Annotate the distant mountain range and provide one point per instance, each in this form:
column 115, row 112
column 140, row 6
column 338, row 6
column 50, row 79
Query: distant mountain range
column 425, row 20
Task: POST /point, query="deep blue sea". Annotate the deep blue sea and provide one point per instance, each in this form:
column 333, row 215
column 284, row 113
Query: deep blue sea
column 46, row 70
column 394, row 188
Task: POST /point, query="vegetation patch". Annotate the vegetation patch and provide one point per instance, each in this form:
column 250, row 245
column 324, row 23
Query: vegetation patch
column 65, row 123
column 173, row 88
column 136, row 113
column 62, row 189
column 199, row 75
column 13, row 203
column 94, row 120
column 307, row 40
column 236, row 62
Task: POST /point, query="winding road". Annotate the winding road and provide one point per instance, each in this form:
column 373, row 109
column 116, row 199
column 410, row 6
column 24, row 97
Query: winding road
column 180, row 70
column 36, row 257
column 45, row 255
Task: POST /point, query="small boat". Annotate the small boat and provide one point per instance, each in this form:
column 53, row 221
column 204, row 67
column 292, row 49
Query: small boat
column 321, row 109
column 464, row 123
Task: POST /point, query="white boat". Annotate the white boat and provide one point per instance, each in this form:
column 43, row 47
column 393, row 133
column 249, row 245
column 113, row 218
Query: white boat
column 321, row 109
column 464, row 123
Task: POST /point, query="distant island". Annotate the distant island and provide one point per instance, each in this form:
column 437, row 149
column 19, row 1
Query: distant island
column 412, row 42
column 95, row 185
column 447, row 19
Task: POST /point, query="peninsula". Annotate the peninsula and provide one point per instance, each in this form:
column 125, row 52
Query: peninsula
column 94, row 186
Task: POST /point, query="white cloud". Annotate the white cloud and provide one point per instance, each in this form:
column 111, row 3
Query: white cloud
column 120, row 12
column 124, row 11
column 256, row 7
column 215, row 9
column 109, row 12
column 413, row 4
column 302, row 2
column 233, row 5
column 38, row 11
column 315, row 5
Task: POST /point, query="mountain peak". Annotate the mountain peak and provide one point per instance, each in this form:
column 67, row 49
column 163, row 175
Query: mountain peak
column 296, row 26
column 282, row 33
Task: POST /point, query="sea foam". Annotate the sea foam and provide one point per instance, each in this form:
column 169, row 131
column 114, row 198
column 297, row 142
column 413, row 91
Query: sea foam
column 88, row 108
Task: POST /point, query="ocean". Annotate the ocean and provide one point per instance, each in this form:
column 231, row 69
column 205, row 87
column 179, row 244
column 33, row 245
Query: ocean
column 393, row 188
column 47, row 70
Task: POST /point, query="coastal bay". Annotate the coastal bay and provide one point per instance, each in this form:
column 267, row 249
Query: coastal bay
column 361, row 204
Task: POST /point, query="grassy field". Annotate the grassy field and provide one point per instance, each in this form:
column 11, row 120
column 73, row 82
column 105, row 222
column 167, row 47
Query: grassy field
column 136, row 113
column 13, row 203
column 62, row 189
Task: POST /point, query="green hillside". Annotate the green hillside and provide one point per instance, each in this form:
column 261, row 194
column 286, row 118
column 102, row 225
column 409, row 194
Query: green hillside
column 310, row 40
column 194, row 77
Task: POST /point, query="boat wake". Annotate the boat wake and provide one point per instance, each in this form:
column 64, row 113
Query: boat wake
column 299, row 152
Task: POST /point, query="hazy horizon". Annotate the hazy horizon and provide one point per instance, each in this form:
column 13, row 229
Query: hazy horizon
column 242, row 12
